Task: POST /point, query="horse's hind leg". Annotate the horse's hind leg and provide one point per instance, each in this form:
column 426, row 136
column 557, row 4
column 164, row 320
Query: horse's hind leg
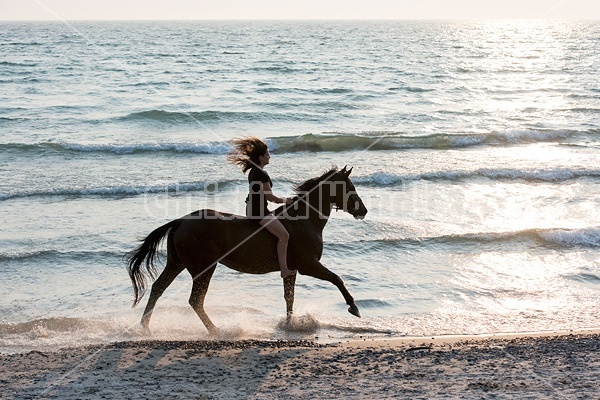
column 170, row 272
column 320, row 272
column 199, row 289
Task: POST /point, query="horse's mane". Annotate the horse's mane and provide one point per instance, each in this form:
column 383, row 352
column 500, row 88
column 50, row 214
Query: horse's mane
column 313, row 182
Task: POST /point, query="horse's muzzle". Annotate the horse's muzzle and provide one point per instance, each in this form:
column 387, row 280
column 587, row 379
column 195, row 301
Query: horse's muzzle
column 359, row 216
column 360, row 212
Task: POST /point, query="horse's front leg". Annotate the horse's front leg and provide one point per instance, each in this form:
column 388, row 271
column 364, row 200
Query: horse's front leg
column 289, row 283
column 319, row 271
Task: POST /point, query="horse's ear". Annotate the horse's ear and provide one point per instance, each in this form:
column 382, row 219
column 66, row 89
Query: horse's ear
column 343, row 171
column 348, row 172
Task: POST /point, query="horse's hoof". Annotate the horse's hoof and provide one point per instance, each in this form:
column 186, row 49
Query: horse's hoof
column 146, row 330
column 214, row 333
column 354, row 310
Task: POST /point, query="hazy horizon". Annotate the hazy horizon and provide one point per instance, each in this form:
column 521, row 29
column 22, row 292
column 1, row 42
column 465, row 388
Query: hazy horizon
column 188, row 10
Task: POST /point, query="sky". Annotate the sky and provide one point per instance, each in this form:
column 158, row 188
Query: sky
column 295, row 9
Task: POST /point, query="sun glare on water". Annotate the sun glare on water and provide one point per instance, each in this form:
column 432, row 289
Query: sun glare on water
column 506, row 61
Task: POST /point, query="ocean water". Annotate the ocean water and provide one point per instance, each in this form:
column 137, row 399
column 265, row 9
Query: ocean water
column 475, row 146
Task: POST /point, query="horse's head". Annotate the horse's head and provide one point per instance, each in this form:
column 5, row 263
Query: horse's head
column 345, row 196
column 333, row 189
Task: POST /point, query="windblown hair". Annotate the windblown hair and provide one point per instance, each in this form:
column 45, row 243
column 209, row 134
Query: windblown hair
column 246, row 151
column 310, row 184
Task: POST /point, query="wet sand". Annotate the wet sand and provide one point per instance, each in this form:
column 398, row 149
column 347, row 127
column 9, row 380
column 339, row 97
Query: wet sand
column 533, row 366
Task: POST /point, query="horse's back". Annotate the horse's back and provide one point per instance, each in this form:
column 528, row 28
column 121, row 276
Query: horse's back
column 219, row 225
column 205, row 236
column 213, row 223
column 213, row 214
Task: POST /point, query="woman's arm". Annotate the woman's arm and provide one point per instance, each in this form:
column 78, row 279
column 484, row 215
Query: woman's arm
column 267, row 190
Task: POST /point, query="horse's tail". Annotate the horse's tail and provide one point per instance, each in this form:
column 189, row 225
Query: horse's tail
column 146, row 252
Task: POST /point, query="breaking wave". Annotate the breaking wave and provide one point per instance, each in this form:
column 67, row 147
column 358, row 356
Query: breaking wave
column 123, row 190
column 568, row 238
column 339, row 142
column 50, row 254
column 378, row 179
column 533, row 175
column 330, row 142
column 136, row 148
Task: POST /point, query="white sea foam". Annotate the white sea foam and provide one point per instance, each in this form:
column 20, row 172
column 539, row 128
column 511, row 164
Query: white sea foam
column 202, row 148
column 543, row 175
column 172, row 188
column 576, row 237
column 527, row 135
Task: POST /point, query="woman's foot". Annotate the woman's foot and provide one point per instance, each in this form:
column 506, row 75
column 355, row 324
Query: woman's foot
column 287, row 272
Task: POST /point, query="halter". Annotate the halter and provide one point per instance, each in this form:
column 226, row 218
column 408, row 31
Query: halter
column 337, row 208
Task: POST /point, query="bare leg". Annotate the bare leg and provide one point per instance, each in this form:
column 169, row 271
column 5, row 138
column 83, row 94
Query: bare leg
column 276, row 228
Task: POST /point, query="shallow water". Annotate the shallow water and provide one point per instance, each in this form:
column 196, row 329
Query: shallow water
column 475, row 146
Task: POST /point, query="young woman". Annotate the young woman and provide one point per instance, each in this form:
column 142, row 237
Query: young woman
column 252, row 154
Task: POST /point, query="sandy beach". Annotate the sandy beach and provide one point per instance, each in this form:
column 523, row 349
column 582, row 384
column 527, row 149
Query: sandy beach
column 535, row 366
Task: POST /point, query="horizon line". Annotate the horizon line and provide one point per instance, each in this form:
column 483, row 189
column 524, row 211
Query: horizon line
column 302, row 19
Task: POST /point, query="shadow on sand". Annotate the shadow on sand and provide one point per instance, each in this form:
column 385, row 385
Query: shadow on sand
column 184, row 369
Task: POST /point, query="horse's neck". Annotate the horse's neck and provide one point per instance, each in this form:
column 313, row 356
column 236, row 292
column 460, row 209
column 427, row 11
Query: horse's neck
column 318, row 210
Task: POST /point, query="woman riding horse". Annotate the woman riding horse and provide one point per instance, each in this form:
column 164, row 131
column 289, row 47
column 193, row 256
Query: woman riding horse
column 252, row 154
column 200, row 240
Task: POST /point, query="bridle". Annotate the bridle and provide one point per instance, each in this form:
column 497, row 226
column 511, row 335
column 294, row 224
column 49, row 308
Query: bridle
column 353, row 198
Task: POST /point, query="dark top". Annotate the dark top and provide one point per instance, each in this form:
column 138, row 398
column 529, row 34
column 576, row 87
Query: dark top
column 256, row 202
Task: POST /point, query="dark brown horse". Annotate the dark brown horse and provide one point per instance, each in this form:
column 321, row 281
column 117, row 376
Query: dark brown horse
column 200, row 240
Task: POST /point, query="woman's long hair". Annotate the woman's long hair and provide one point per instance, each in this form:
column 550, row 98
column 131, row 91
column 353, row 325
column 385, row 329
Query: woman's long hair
column 246, row 151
